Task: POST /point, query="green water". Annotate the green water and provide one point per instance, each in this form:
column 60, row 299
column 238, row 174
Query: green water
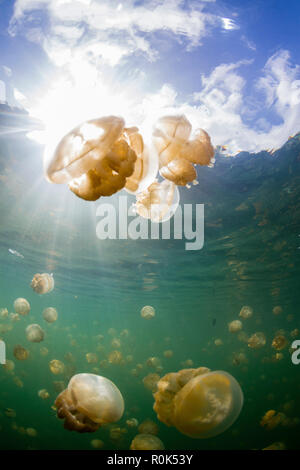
column 250, row 254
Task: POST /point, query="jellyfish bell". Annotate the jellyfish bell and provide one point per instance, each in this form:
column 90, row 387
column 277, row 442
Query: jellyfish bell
column 42, row 283
column 158, row 202
column 89, row 402
column 235, row 326
column 94, row 158
column 50, row 314
column 246, row 312
column 34, row 333
column 21, row 306
column 147, row 312
column 197, row 402
column 177, row 152
column 146, row 442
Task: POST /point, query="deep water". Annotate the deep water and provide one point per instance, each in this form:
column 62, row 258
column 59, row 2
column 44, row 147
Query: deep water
column 249, row 257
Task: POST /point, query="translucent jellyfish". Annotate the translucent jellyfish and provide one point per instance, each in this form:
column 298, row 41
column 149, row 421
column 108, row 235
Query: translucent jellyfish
column 199, row 403
column 34, row 333
column 146, row 165
column 56, row 367
column 43, row 394
column 177, row 154
column 150, row 382
column 94, row 159
column 168, row 354
column 31, row 432
column 148, row 427
column 158, row 202
column 14, row 317
column 116, row 433
column 9, row 366
column 272, row 419
column 295, row 333
column 153, row 362
column 18, row 382
column 279, row 342
column 124, row 333
column 115, row 357
column 246, row 312
column 218, row 342
column 4, row 312
column 132, row 422
column 147, row 312
column 97, row 444
column 146, row 442
column 88, row 402
column 277, row 310
column 21, row 306
column 21, row 353
column 44, row 351
column 257, row 340
column 50, row 314
column 235, row 326
column 42, row 283
column 115, row 343
column 91, row 358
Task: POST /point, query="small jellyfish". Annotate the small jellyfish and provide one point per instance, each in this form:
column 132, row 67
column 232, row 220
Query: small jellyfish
column 88, row 402
column 257, row 340
column 22, row 306
column 279, row 342
column 148, row 427
column 14, row 317
column 9, row 366
column 146, row 442
column 115, row 343
column 42, row 283
column 277, row 310
column 56, row 367
column 34, row 333
column 116, row 433
column 21, row 353
column 94, row 159
column 153, row 362
column 158, row 202
column 18, row 382
column 97, row 444
column 31, row 432
column 132, row 422
column 272, row 419
column 115, row 357
column 168, row 354
column 150, row 382
column 43, row 394
column 4, row 311
column 44, row 351
column 218, row 342
column 235, row 326
column 197, row 402
column 10, row 412
column 147, row 312
column 177, row 152
column 246, row 312
column 50, row 314
column 91, row 358
column 295, row 333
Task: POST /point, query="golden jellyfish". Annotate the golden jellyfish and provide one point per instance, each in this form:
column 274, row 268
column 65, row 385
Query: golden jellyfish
column 44, row 351
column 246, row 312
column 279, row 342
column 115, row 357
column 272, row 419
column 257, row 340
column 158, row 202
column 112, row 332
column 295, row 333
column 91, row 358
column 168, row 354
column 9, row 366
column 43, row 394
column 94, row 159
column 116, row 433
column 14, row 317
column 150, row 382
column 218, row 342
column 148, row 427
column 4, row 312
column 89, row 402
column 57, row 367
column 124, row 333
column 97, row 444
column 115, row 343
column 177, row 152
column 10, row 412
column 21, row 306
column 42, row 283
column 146, row 442
column 147, row 312
column 277, row 310
column 153, row 362
column 188, row 363
column 197, row 402
column 31, row 432
column 21, row 353
column 235, row 326
column 34, row 333
column 132, row 422
column 50, row 314
column 275, row 446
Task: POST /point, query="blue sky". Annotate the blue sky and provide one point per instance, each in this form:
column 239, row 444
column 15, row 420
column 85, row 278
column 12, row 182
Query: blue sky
column 232, row 66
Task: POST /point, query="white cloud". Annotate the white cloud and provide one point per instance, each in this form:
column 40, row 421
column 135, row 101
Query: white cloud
column 7, row 70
